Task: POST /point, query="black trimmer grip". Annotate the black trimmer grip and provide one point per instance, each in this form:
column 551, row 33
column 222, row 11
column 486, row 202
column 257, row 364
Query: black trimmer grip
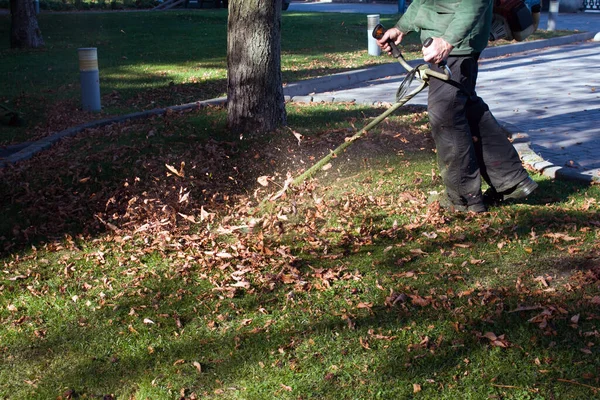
column 378, row 33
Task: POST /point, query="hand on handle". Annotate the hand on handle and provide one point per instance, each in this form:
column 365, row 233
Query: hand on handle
column 439, row 52
column 388, row 40
column 436, row 50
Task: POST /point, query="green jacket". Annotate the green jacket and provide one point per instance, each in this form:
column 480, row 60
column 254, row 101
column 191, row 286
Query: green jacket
column 465, row 24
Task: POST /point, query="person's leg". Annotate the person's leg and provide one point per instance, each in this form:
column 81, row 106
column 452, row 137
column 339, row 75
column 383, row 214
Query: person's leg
column 457, row 159
column 499, row 162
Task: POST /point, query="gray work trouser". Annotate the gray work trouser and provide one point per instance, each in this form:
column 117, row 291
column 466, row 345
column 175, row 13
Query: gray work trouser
column 469, row 141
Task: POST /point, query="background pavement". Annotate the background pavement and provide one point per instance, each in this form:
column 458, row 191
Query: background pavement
column 565, row 21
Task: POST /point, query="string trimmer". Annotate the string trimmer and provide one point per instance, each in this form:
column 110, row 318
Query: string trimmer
column 421, row 72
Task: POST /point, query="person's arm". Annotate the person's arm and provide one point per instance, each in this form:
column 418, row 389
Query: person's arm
column 406, row 22
column 466, row 16
column 404, row 25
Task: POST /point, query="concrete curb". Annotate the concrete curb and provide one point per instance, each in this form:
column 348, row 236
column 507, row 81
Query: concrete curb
column 545, row 167
column 304, row 91
column 27, row 150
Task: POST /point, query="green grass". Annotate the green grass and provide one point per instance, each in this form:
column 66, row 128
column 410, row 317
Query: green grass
column 350, row 287
column 151, row 59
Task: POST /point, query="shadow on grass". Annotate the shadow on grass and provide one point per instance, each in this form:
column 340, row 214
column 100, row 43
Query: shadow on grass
column 65, row 190
column 70, row 189
column 440, row 346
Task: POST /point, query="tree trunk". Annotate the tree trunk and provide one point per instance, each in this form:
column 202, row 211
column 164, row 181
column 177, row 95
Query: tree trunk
column 24, row 30
column 254, row 85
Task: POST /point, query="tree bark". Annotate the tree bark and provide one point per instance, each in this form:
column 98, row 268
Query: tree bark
column 254, row 85
column 24, row 30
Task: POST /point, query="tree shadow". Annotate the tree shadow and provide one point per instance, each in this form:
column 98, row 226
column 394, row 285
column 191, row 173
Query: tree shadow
column 411, row 343
column 87, row 186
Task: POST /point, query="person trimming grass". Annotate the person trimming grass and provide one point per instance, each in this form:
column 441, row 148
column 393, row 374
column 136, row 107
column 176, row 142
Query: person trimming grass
column 469, row 141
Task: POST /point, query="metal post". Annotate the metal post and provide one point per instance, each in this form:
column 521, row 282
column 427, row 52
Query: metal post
column 36, row 6
column 89, row 78
column 552, row 14
column 401, row 6
column 372, row 21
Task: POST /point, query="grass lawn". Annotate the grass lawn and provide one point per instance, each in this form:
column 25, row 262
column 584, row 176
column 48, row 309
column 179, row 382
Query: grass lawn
column 152, row 59
column 136, row 265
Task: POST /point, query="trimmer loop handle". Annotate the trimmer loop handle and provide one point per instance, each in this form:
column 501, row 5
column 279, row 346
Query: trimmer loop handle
column 378, row 33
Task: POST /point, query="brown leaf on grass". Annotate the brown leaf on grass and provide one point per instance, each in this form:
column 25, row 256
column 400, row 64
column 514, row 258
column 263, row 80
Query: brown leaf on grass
column 420, row 301
column 525, row 308
column 380, row 336
column 395, row 298
column 407, row 274
column 17, row 277
column 575, row 319
column 364, row 344
column 418, row 252
column 174, row 170
column 556, row 236
column 498, row 341
column 541, row 280
column 462, row 245
column 198, row 366
column 241, row 284
column 368, row 306
column 285, row 387
column 263, row 180
column 189, row 218
column 416, row 388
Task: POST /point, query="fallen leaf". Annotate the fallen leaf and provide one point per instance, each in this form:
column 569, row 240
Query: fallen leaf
column 198, row 366
column 364, row 305
column 298, row 136
column 173, row 170
column 541, row 280
column 263, row 180
column 285, row 387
